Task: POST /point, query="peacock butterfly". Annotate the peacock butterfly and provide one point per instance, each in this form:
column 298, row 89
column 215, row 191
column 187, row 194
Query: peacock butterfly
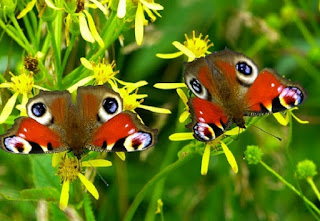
column 96, row 122
column 229, row 86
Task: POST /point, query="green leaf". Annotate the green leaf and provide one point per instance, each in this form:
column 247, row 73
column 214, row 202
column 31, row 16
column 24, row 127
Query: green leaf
column 46, row 193
column 43, row 172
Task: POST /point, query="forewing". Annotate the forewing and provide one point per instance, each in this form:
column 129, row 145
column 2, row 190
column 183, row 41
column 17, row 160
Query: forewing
column 109, row 128
column 40, row 134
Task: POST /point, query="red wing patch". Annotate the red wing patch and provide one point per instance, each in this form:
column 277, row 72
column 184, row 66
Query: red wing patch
column 31, row 137
column 269, row 95
column 209, row 119
column 123, row 132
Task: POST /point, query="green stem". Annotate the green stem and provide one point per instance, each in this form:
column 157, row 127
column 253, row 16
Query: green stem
column 162, row 174
column 314, row 187
column 57, row 54
column 30, row 31
column 68, row 51
column 290, row 186
column 21, row 34
column 12, row 34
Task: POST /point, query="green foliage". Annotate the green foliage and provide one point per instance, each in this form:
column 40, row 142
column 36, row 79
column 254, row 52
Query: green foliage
column 284, row 35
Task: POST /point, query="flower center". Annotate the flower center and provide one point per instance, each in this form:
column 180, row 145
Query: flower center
column 103, row 72
column 198, row 45
column 130, row 101
column 22, row 83
column 69, row 169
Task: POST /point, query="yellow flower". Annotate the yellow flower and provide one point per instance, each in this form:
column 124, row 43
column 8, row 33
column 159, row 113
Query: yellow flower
column 79, row 14
column 102, row 73
column 21, row 84
column 207, row 150
column 148, row 6
column 71, row 169
column 133, row 100
column 193, row 48
column 32, row 3
column 284, row 120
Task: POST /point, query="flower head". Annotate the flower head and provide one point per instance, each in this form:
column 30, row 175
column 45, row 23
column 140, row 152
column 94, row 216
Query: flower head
column 70, row 169
column 194, row 47
column 20, row 85
column 305, row 169
column 103, row 72
column 253, row 154
column 141, row 7
column 133, row 100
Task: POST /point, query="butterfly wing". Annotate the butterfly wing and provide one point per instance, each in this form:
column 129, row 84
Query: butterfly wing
column 219, row 78
column 42, row 131
column 109, row 127
column 208, row 119
column 272, row 93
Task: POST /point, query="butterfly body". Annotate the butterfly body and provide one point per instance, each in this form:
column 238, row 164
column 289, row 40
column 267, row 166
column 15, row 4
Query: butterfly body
column 95, row 122
column 228, row 86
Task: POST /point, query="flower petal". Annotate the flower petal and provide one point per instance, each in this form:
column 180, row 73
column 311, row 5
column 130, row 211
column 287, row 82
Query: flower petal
column 169, row 85
column 121, row 12
column 90, row 187
column 93, row 29
column 6, row 111
column 185, row 50
column 205, row 160
column 64, row 196
column 231, row 160
column 182, row 95
column 181, row 136
column 169, row 55
column 51, row 5
column 86, row 63
column 283, row 121
column 139, row 24
column 80, row 83
column 121, row 155
column 100, row 6
column 28, row 8
column 152, row 5
column 5, row 85
column 184, row 116
column 97, row 163
column 23, row 108
column 298, row 119
column 234, row 131
column 84, row 29
column 155, row 109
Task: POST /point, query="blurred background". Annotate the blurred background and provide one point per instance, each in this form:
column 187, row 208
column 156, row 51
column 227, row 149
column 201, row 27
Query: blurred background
column 283, row 35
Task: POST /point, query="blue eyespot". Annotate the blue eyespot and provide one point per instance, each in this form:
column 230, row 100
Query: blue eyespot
column 110, row 105
column 195, row 84
column 38, row 109
column 244, row 68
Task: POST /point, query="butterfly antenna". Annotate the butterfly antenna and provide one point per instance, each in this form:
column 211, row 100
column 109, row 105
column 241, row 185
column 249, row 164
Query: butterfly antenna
column 103, row 180
column 279, row 138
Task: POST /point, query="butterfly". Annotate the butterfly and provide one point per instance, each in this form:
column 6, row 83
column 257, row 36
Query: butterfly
column 96, row 122
column 229, row 86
